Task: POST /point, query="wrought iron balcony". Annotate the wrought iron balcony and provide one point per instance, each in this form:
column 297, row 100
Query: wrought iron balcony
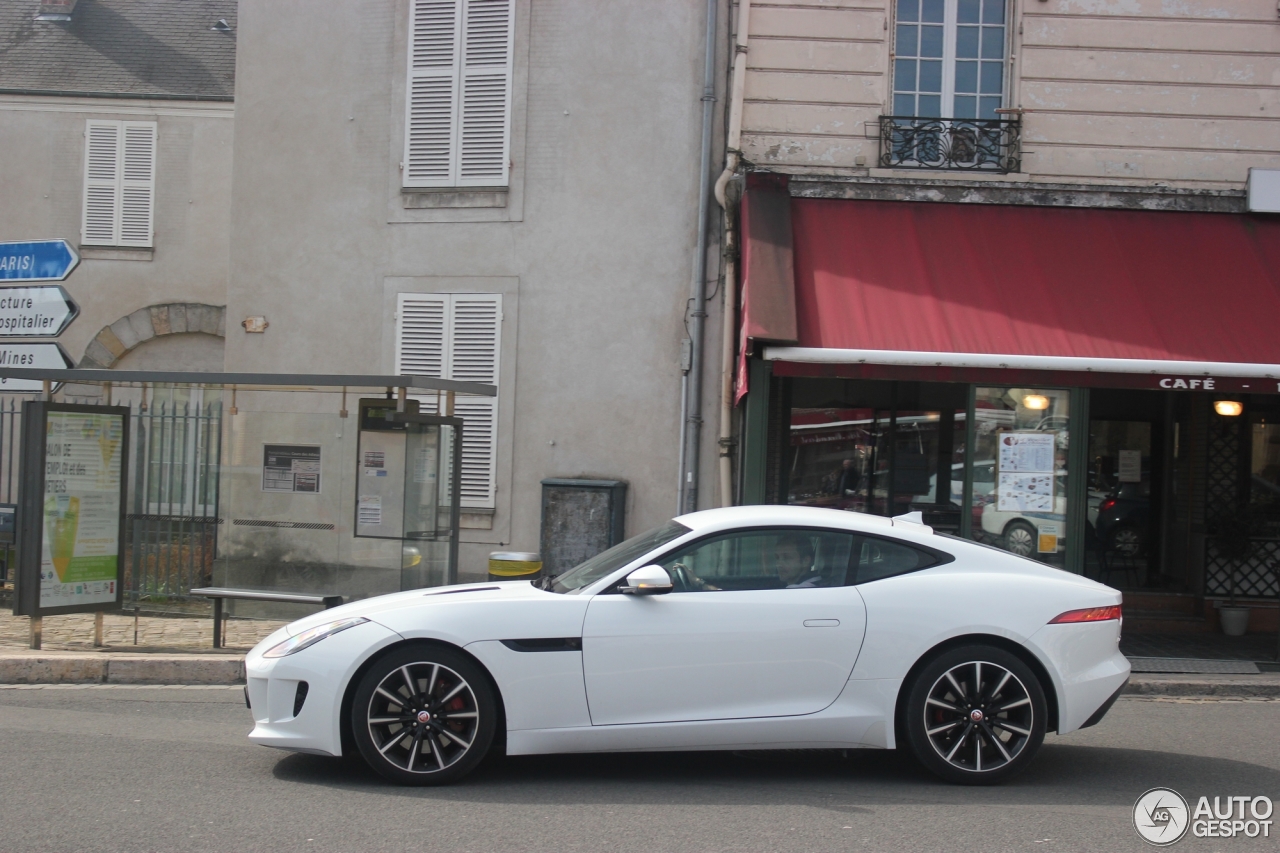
column 967, row 144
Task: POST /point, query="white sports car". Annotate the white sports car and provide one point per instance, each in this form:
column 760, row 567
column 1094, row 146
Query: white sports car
column 759, row 627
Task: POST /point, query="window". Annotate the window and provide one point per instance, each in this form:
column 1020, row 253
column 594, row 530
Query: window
column 457, row 336
column 882, row 558
column 949, row 58
column 762, row 559
column 458, row 114
column 119, row 183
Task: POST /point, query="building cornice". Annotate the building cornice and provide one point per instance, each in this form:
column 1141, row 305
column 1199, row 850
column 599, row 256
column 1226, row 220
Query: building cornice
column 1029, row 193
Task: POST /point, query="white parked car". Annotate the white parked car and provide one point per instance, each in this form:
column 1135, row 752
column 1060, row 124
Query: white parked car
column 758, row 627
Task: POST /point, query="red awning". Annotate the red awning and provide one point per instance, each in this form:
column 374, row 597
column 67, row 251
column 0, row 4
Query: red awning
column 1036, row 281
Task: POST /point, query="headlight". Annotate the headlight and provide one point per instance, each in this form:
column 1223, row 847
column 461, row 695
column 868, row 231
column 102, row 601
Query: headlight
column 311, row 636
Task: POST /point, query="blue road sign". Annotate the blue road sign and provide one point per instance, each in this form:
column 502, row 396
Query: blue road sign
column 37, row 260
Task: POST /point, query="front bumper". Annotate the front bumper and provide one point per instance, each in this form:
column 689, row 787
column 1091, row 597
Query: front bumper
column 272, row 689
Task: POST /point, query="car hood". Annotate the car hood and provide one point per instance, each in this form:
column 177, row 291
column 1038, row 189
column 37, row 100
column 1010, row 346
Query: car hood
column 383, row 605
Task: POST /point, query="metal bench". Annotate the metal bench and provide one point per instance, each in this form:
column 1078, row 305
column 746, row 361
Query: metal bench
column 219, row 594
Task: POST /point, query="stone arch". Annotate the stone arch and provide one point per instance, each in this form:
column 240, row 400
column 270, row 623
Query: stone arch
column 174, row 318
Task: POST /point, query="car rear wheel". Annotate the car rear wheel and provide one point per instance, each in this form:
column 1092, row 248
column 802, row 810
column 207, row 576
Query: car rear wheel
column 1020, row 538
column 424, row 715
column 975, row 715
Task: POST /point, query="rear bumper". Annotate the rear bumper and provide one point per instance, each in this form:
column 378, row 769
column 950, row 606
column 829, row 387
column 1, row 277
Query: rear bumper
column 1086, row 666
column 1097, row 715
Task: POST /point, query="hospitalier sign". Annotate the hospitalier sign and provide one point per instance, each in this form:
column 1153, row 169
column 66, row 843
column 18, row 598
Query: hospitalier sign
column 43, row 311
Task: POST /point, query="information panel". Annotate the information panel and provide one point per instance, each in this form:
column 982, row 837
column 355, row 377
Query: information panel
column 290, row 468
column 72, row 510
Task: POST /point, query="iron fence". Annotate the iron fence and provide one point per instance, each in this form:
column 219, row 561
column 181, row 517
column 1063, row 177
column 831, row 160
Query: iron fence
column 172, row 525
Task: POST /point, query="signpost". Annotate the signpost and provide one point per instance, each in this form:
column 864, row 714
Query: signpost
column 37, row 260
column 48, row 354
column 43, row 311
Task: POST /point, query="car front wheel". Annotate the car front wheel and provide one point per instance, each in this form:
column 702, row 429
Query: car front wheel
column 975, row 715
column 424, row 715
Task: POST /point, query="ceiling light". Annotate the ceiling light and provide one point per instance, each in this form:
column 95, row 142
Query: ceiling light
column 1228, row 408
column 1035, row 401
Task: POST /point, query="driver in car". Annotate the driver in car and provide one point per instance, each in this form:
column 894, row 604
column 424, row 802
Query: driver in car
column 793, row 562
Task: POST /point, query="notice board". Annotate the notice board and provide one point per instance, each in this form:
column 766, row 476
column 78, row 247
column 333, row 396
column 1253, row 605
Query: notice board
column 71, row 516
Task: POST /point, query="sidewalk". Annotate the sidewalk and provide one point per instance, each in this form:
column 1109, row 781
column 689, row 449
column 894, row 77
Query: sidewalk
column 155, row 634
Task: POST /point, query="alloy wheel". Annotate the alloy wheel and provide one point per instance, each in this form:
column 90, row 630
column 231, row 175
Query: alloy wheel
column 979, row 716
column 423, row 717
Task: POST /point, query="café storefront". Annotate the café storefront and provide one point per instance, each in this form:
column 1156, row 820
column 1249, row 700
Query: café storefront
column 1097, row 389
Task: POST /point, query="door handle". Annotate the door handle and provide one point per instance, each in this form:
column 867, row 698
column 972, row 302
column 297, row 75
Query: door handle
column 822, row 623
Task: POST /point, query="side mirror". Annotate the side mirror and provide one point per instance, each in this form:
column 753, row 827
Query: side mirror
column 647, row 580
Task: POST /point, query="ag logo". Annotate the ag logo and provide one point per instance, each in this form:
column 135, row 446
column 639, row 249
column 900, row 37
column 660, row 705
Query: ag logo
column 1161, row 816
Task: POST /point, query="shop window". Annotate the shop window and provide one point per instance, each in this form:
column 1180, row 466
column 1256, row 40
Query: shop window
column 1021, row 436
column 1264, row 472
column 892, row 448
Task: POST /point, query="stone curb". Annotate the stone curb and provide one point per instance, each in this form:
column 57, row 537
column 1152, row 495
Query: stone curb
column 1264, row 686
column 36, row 668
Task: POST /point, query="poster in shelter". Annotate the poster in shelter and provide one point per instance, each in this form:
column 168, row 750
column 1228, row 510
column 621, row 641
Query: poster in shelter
column 80, row 534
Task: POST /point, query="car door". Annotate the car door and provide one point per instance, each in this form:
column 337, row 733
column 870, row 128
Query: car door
column 745, row 633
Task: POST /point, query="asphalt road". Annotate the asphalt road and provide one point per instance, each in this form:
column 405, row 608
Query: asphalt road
column 124, row 768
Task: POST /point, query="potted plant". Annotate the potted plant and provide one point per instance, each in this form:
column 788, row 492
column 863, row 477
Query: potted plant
column 1235, row 542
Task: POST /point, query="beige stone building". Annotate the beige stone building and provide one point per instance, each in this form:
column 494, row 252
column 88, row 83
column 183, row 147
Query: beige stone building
column 971, row 226
column 1132, row 92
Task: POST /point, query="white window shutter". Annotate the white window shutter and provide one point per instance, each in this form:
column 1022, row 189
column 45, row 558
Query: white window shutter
column 479, row 449
column 458, row 336
column 435, row 48
column 137, row 183
column 474, row 347
column 422, row 326
column 484, row 123
column 476, row 337
column 100, row 219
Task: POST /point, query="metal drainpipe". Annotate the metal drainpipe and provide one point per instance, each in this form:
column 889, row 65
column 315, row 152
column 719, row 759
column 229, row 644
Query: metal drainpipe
column 692, row 426
column 733, row 155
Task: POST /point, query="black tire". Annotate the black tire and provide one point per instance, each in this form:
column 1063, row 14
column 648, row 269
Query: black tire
column 437, row 734
column 975, row 737
column 1021, row 538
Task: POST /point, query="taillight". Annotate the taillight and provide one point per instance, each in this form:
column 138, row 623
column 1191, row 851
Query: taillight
column 1088, row 614
column 1107, row 505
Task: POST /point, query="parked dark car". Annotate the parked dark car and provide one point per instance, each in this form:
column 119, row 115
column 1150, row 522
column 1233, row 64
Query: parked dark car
column 1123, row 522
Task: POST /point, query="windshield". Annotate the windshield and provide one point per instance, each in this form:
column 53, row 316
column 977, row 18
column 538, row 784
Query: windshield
column 615, row 558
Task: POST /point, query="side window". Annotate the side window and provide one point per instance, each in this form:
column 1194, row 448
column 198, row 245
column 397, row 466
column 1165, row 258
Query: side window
column 762, row 559
column 883, row 558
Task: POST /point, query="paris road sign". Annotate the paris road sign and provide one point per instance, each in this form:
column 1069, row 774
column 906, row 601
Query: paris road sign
column 37, row 260
column 43, row 311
